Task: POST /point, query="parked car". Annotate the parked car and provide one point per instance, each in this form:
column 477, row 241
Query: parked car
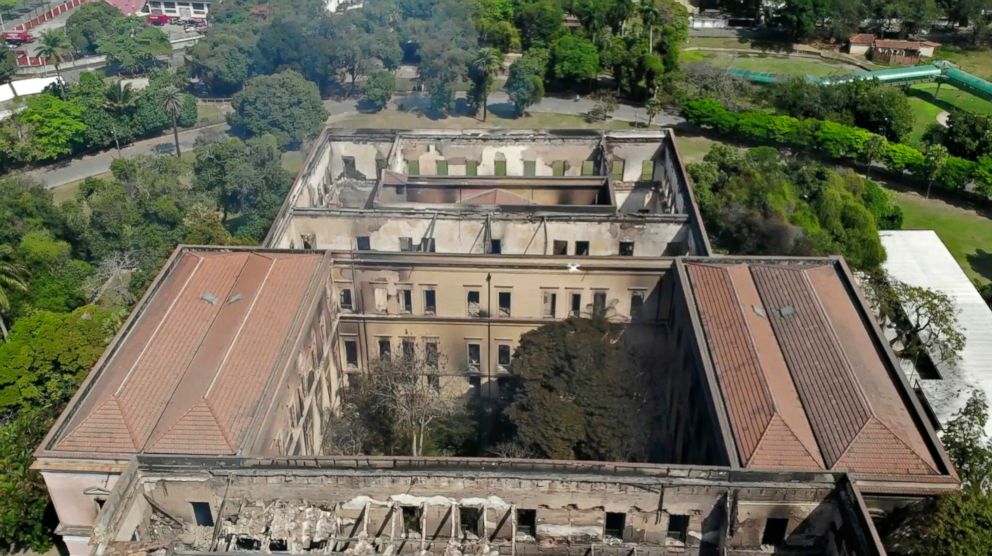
column 17, row 38
column 157, row 19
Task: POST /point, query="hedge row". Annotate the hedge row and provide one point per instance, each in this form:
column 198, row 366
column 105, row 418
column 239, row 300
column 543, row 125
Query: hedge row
column 837, row 141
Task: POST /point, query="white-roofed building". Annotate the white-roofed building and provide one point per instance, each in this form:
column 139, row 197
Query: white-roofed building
column 920, row 258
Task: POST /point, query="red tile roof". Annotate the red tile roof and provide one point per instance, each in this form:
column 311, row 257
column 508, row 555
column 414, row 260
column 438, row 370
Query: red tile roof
column 862, row 38
column 191, row 371
column 897, row 44
column 804, row 383
column 127, row 7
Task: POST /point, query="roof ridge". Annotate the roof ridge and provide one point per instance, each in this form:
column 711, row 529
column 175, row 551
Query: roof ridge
column 761, row 439
column 220, row 426
column 199, row 345
column 201, row 402
column 69, row 438
column 842, row 352
column 849, row 444
column 795, row 437
column 158, row 327
column 241, row 326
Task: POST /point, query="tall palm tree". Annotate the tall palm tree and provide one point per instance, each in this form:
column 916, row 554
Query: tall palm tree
column 649, row 16
column 487, row 62
column 119, row 99
column 172, row 103
column 12, row 277
column 54, row 45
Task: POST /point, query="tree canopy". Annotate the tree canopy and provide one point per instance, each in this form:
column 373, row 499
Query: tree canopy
column 284, row 105
column 582, row 392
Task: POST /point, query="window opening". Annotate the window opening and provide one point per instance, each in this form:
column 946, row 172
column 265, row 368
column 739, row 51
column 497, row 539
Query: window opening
column 411, row 520
column 550, row 303
column 678, row 527
column 527, row 522
column 474, row 356
column 558, row 168
column 351, row 353
column 647, row 170
column 560, row 247
column 504, row 304
column 471, row 168
column 503, row 357
column 500, row 167
column 473, row 303
column 406, row 301
column 413, row 167
column 775, row 530
column 469, row 520
column 616, row 171
column 626, row 248
column 495, row 246
column 346, row 299
column 384, row 348
column 636, row 304
column 430, row 302
column 530, row 168
column 441, row 168
column 575, row 307
column 615, row 524
column 599, row 302
column 588, row 167
column 202, row 514
column 363, row 243
column 582, row 248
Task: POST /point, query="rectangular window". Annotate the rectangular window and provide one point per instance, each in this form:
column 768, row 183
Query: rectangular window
column 413, row 167
column 363, row 243
column 615, row 523
column 202, row 514
column 471, row 168
column 408, row 347
column 351, row 353
column 430, row 353
column 474, row 356
column 598, row 302
column 616, row 171
column 626, row 248
column 495, row 246
column 775, row 531
column 473, row 303
column 530, row 168
column 411, row 520
column 441, row 168
column 678, row 527
column 636, row 303
column 504, row 304
column 349, row 166
column 384, row 348
column 406, row 300
column 527, row 522
column 346, row 299
column 582, row 248
column 469, row 519
column 647, row 170
column 474, row 382
column 430, row 301
column 381, row 299
column 500, row 167
column 503, row 355
column 406, row 244
column 559, row 247
column 588, row 167
column 575, row 305
column 550, row 303
column 558, row 168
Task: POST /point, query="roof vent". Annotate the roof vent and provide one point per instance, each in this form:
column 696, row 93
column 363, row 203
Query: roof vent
column 759, row 311
column 209, row 298
column 234, row 298
column 787, row 311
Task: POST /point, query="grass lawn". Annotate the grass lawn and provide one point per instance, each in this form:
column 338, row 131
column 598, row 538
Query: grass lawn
column 411, row 120
column 977, row 62
column 67, row 191
column 773, row 64
column 965, row 232
column 208, row 113
column 951, row 98
column 693, row 149
column 924, row 115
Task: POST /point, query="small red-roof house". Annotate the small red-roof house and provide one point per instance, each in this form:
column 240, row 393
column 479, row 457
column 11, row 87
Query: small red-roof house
column 890, row 51
column 860, row 44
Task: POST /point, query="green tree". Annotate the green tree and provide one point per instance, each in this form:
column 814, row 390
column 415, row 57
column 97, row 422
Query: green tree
column 133, row 48
column 170, row 100
column 12, row 278
column 24, row 499
column 119, row 99
column 242, row 177
column 8, row 65
column 525, row 83
column 935, row 158
column 482, row 69
column 89, row 24
column 653, row 107
column 379, row 88
column 983, row 175
column 223, row 59
column 576, row 380
column 538, row 21
column 799, row 17
column 54, row 127
column 53, row 45
column 873, row 151
column 574, row 59
column 285, row 105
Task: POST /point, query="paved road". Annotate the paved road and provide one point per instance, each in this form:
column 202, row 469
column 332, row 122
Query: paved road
column 76, row 169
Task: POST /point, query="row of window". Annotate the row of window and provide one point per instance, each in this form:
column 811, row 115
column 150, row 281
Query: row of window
column 558, row 168
column 470, row 520
column 504, row 302
column 493, row 246
column 473, row 355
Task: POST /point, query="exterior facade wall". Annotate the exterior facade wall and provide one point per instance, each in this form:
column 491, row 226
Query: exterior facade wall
column 183, row 9
column 858, row 49
column 78, row 498
column 518, row 236
column 525, row 511
column 895, row 56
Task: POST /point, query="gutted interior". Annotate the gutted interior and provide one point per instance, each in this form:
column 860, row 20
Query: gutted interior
column 454, row 192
